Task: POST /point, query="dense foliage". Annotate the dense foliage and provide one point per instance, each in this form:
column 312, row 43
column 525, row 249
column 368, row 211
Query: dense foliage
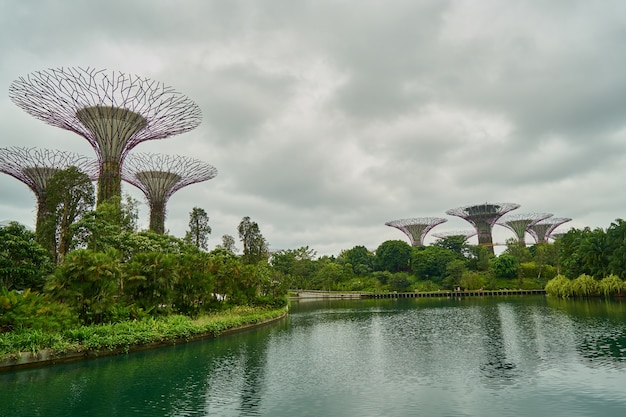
column 112, row 272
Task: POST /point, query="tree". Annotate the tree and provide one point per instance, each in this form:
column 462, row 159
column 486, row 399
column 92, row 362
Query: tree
column 69, row 196
column 111, row 225
column 199, row 229
column 504, row 266
column 89, row 281
column 24, row 263
column 393, row 256
column 228, row 243
column 254, row 244
column 616, row 244
column 455, row 243
column 455, row 270
column 521, row 252
column 430, row 262
column 149, row 280
column 361, row 259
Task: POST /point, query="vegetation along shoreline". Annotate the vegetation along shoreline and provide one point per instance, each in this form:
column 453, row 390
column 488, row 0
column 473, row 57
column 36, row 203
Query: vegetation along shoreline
column 123, row 338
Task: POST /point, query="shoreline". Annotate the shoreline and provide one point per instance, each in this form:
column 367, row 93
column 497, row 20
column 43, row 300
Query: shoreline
column 47, row 357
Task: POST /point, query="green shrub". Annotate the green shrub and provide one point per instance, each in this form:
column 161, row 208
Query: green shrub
column 585, row 286
column 31, row 310
column 473, row 280
column 611, row 286
column 560, row 286
column 426, row 286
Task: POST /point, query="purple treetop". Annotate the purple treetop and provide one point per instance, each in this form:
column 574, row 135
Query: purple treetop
column 520, row 222
column 34, row 167
column 448, row 233
column 416, row 228
column 542, row 230
column 112, row 110
column 159, row 176
column 483, row 217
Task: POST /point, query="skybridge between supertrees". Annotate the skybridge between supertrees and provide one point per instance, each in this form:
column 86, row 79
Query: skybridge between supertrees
column 416, row 228
column 34, row 167
column 542, row 231
column 112, row 110
column 159, row 176
column 519, row 223
column 483, row 217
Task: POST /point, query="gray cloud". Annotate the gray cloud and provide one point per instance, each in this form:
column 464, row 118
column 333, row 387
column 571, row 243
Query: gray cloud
column 326, row 119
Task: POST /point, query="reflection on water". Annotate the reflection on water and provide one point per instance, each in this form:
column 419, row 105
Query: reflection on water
column 467, row 357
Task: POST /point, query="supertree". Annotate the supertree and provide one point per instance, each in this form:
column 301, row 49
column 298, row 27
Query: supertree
column 483, row 217
column 34, row 167
column 519, row 223
column 542, row 230
column 159, row 176
column 112, row 110
column 449, row 233
column 416, row 228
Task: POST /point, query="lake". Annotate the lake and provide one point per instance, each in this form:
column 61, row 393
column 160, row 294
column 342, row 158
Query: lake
column 507, row 356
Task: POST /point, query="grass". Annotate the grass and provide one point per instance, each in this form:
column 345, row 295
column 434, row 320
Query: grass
column 122, row 336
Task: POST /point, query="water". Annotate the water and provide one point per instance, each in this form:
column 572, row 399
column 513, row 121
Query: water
column 526, row 356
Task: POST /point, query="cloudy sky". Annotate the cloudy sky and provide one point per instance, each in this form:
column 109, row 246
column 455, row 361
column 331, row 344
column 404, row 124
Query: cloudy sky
column 328, row 118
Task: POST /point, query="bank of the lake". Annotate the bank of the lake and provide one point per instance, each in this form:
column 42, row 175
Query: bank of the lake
column 28, row 348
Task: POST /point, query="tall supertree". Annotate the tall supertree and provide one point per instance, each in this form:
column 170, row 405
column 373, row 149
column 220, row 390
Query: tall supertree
column 542, row 230
column 159, row 176
column 483, row 217
column 416, row 228
column 112, row 110
column 34, row 167
column 519, row 223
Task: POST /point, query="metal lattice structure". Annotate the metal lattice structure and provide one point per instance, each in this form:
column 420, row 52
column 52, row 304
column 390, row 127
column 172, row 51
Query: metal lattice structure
column 542, row 230
column 483, row 217
column 416, row 228
column 467, row 234
column 112, row 110
column 159, row 176
column 519, row 223
column 34, row 167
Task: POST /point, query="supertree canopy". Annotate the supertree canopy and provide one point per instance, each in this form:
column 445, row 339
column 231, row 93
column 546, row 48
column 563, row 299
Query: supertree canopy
column 449, row 233
column 112, row 110
column 34, row 167
column 483, row 217
column 519, row 223
column 416, row 228
column 159, row 176
column 542, row 230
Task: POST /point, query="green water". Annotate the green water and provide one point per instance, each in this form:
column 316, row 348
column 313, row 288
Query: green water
column 513, row 356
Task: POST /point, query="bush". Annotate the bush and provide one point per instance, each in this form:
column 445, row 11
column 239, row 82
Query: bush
column 426, row 286
column 560, row 286
column 612, row 286
column 21, row 310
column 472, row 280
column 399, row 282
column 585, row 286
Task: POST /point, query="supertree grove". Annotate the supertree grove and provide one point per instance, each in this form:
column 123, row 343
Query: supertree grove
column 34, row 167
column 112, row 110
column 519, row 223
column 159, row 176
column 416, row 228
column 542, row 230
column 483, row 217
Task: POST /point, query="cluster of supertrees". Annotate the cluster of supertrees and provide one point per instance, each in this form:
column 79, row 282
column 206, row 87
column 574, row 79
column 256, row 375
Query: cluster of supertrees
column 115, row 112
column 483, row 217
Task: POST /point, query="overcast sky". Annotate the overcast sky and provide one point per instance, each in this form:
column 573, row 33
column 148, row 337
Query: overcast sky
column 328, row 118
